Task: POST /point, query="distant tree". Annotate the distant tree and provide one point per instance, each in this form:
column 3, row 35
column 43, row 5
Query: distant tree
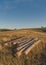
column 15, row 29
column 43, row 29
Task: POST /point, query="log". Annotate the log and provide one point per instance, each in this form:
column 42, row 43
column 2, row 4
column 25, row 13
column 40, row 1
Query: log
column 23, row 49
column 29, row 49
column 24, row 44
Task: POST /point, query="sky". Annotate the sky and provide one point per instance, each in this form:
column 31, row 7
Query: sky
column 22, row 13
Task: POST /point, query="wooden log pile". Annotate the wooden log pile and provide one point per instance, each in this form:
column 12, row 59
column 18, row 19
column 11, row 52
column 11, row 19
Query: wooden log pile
column 21, row 45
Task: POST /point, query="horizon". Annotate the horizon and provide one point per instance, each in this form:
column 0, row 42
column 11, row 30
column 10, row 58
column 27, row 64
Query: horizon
column 20, row 28
column 22, row 14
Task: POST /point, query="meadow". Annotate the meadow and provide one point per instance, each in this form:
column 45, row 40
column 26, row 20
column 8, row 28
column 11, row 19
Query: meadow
column 37, row 55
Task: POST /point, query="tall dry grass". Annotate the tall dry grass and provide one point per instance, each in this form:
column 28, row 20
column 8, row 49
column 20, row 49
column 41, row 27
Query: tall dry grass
column 37, row 55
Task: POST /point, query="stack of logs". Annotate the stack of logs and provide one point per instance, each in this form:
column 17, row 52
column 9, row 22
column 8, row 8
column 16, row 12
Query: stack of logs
column 21, row 45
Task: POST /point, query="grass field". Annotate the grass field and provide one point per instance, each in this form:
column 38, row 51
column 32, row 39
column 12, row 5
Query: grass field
column 37, row 55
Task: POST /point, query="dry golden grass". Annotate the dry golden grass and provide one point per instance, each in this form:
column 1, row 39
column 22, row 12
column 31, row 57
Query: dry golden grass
column 7, row 35
column 37, row 55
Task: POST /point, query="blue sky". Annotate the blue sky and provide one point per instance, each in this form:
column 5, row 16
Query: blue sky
column 22, row 13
